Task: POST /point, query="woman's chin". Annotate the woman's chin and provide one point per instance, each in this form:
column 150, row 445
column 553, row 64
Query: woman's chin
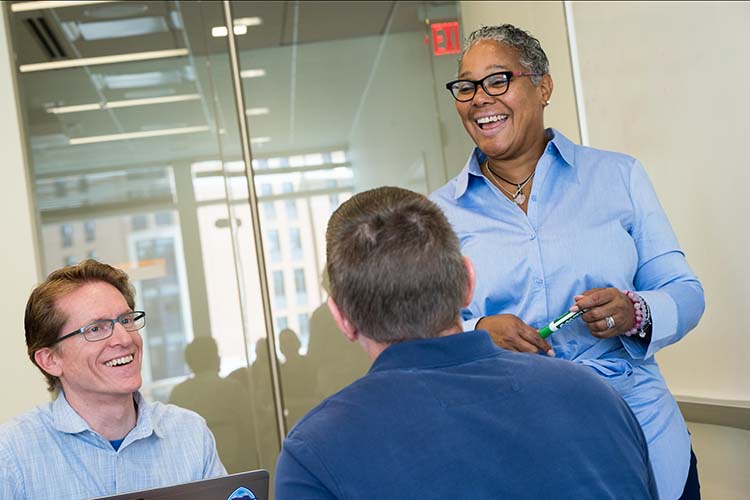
column 494, row 150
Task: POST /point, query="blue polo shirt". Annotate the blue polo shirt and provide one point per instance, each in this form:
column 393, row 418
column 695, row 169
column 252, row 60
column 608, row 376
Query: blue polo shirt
column 458, row 417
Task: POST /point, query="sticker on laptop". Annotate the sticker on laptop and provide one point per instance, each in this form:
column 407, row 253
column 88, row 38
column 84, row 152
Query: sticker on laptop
column 242, row 493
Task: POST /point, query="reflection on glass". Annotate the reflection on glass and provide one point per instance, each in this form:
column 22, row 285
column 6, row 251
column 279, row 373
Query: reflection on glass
column 225, row 403
column 136, row 163
column 139, row 164
column 376, row 125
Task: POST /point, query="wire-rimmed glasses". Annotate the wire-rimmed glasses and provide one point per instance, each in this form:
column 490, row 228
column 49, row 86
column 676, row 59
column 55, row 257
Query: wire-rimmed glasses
column 494, row 84
column 103, row 328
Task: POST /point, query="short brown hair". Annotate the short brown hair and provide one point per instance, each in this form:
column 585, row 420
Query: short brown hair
column 395, row 265
column 43, row 321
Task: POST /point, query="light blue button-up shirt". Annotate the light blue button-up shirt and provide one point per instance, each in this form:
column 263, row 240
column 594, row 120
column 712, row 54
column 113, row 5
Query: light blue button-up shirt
column 593, row 220
column 50, row 452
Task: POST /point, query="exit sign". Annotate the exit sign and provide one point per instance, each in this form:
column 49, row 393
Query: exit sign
column 446, row 38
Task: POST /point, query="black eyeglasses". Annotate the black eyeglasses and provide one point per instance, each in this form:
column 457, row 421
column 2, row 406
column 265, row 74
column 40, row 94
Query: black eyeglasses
column 103, row 328
column 494, row 84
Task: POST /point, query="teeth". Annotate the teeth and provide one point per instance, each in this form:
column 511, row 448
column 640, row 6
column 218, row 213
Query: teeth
column 120, row 361
column 490, row 119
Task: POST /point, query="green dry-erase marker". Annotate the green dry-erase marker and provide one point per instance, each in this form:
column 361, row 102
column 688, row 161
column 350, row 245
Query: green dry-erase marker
column 558, row 323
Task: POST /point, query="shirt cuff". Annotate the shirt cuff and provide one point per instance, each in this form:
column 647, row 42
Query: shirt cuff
column 663, row 326
column 471, row 324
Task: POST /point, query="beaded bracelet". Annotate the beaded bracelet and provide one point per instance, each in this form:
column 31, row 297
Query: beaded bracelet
column 642, row 314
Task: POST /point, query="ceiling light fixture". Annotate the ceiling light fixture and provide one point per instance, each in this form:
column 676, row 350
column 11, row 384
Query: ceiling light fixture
column 221, row 31
column 123, row 104
column 24, row 6
column 257, row 111
column 259, row 140
column 74, row 141
column 253, row 73
column 96, row 61
column 240, row 26
column 248, row 21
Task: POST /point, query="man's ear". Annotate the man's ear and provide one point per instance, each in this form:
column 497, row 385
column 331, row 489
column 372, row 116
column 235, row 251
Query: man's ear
column 346, row 327
column 470, row 282
column 48, row 360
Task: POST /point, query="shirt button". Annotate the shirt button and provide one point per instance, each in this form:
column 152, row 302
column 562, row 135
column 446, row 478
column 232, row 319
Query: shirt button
column 532, row 236
column 533, row 197
column 539, row 281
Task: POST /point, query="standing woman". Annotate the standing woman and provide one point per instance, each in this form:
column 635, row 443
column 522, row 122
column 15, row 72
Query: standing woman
column 552, row 226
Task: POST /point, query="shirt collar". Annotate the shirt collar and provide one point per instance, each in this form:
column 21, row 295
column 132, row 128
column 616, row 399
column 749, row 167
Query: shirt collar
column 440, row 351
column 65, row 419
column 564, row 146
column 558, row 143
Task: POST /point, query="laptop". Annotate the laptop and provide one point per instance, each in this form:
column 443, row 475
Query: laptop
column 241, row 486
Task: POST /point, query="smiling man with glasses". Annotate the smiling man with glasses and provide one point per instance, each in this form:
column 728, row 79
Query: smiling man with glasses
column 99, row 436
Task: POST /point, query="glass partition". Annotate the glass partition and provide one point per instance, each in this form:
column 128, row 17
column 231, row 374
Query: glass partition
column 340, row 97
column 135, row 156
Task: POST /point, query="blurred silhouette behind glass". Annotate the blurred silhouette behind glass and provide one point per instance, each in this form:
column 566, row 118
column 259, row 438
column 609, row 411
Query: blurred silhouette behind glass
column 337, row 361
column 297, row 377
column 256, row 380
column 224, row 403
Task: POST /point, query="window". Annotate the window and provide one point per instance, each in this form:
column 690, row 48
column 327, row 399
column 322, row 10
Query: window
column 281, row 323
column 70, row 261
column 163, row 218
column 291, row 209
column 89, row 228
column 291, row 205
column 274, row 245
column 66, row 232
column 279, row 293
column 268, row 209
column 139, row 222
column 295, row 242
column 333, row 201
column 300, row 286
column 304, row 328
column 91, row 255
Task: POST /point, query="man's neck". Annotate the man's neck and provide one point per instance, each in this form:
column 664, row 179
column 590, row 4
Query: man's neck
column 375, row 349
column 112, row 417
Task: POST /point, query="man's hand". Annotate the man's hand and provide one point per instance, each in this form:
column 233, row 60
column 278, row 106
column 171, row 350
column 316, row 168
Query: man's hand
column 509, row 332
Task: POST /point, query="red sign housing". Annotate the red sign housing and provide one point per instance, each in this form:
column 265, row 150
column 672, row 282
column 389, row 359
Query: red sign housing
column 446, row 38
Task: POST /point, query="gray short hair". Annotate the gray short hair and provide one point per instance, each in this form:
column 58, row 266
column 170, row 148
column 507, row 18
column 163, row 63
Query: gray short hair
column 530, row 52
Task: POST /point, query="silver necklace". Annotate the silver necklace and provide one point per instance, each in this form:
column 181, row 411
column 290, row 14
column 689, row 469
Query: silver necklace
column 518, row 197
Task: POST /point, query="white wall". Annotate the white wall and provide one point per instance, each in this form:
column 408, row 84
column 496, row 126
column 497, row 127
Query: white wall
column 23, row 385
column 669, row 87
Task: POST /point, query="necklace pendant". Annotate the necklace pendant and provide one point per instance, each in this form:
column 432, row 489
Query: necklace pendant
column 519, row 199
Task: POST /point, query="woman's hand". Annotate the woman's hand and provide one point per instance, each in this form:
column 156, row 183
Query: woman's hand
column 601, row 304
column 509, row 332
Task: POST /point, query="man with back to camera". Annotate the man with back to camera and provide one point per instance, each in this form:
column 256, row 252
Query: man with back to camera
column 444, row 414
column 99, row 437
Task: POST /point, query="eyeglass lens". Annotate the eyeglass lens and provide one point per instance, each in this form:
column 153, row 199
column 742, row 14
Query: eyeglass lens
column 494, row 84
column 102, row 329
